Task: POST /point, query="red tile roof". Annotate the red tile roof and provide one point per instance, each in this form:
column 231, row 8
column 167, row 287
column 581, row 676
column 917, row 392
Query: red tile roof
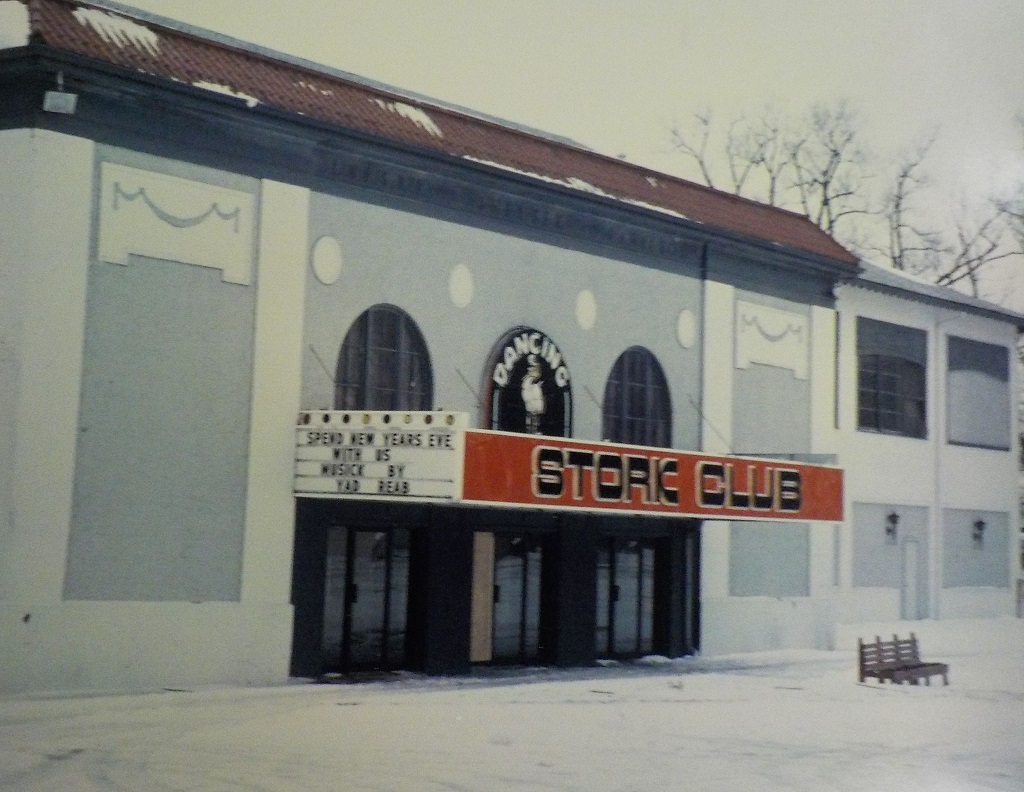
column 137, row 42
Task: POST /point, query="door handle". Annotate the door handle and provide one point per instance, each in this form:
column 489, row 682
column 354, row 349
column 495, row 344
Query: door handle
column 615, row 593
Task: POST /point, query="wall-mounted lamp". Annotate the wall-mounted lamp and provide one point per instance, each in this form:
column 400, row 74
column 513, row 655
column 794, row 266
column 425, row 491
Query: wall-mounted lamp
column 60, row 101
column 892, row 522
column 978, row 531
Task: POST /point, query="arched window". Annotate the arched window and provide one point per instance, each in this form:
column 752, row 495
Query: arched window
column 637, row 406
column 383, row 364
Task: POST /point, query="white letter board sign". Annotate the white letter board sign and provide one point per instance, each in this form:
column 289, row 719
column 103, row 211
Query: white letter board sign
column 374, row 454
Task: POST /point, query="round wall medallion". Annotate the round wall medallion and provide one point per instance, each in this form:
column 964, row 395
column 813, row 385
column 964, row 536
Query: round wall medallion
column 327, row 262
column 460, row 285
column 686, row 329
column 586, row 309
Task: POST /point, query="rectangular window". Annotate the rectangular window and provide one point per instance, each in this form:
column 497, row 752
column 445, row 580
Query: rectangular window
column 892, row 366
column 978, row 394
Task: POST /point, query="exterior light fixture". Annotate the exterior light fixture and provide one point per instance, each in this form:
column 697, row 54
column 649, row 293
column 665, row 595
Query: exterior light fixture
column 978, row 531
column 60, row 101
column 892, row 522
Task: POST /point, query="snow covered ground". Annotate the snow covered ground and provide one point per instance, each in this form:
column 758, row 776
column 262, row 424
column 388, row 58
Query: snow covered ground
column 771, row 721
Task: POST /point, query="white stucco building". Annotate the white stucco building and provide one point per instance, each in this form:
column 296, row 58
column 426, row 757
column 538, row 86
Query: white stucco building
column 300, row 374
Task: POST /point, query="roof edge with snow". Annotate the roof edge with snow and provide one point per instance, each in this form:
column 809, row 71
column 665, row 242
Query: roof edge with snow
column 895, row 283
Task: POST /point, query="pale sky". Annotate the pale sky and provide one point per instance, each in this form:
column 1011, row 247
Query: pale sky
column 616, row 75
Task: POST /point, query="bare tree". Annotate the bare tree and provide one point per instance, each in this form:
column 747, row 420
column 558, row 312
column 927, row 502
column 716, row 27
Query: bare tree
column 954, row 257
column 828, row 167
column 815, row 166
column 818, row 166
column 754, row 153
column 1013, row 210
column 771, row 138
column 910, row 246
column 1011, row 206
column 743, row 153
column 978, row 242
column 697, row 149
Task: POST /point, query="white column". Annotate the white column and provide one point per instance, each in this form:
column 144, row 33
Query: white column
column 277, row 381
column 718, row 368
column 824, row 439
column 1015, row 527
column 846, row 385
column 716, row 425
column 936, row 422
column 46, row 189
column 823, row 381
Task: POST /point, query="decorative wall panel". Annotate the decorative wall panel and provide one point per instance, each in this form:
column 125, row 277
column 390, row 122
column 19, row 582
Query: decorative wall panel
column 167, row 217
column 771, row 337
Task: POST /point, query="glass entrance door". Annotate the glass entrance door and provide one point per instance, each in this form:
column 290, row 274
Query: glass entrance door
column 516, row 622
column 625, row 598
column 365, row 599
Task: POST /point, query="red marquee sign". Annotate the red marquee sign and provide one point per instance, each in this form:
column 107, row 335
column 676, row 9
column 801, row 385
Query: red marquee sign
column 527, row 470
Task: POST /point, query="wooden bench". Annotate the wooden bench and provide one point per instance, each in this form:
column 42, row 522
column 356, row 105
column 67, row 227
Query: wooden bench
column 897, row 661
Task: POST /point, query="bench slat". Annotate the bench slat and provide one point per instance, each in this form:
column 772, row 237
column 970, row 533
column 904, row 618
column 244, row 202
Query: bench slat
column 898, row 661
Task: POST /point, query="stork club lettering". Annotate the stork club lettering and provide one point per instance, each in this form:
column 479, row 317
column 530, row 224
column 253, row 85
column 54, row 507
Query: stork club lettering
column 642, row 479
column 588, row 476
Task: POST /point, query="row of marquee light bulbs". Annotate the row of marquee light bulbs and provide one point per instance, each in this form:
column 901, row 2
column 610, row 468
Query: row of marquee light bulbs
column 328, row 417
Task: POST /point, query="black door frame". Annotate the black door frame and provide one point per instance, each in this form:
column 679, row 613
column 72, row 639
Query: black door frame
column 523, row 655
column 676, row 581
column 614, row 545
column 440, row 550
column 350, row 598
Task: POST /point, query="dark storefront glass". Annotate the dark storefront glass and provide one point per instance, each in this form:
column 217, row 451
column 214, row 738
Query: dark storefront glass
column 625, row 598
column 365, row 599
column 516, row 625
